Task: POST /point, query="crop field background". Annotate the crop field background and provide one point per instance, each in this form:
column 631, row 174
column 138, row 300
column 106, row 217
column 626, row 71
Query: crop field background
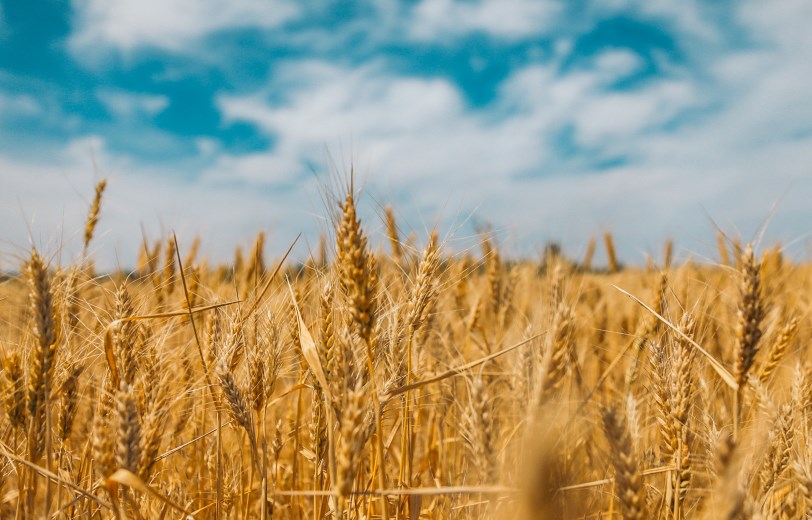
column 405, row 381
column 405, row 260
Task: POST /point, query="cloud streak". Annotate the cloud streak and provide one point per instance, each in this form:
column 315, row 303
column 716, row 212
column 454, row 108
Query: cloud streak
column 509, row 19
column 175, row 25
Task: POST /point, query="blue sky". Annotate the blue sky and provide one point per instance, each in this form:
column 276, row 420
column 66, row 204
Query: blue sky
column 549, row 120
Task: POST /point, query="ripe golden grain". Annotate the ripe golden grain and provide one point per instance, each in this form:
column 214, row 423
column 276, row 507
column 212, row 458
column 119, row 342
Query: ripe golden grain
column 435, row 384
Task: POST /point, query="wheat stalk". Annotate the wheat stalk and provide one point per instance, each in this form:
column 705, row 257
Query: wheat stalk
column 93, row 214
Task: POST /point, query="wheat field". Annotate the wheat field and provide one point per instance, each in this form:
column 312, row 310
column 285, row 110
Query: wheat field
column 405, row 381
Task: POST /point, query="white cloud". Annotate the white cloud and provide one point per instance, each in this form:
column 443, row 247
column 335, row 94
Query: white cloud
column 616, row 64
column 19, row 105
column 129, row 104
column 785, row 22
column 416, row 130
column 510, row 19
column 125, row 25
column 207, row 146
column 418, row 141
column 224, row 214
column 697, row 138
column 731, row 132
column 608, row 118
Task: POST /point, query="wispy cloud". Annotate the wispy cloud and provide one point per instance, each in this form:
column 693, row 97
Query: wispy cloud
column 47, row 202
column 509, row 19
column 13, row 105
column 128, row 104
column 173, row 25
